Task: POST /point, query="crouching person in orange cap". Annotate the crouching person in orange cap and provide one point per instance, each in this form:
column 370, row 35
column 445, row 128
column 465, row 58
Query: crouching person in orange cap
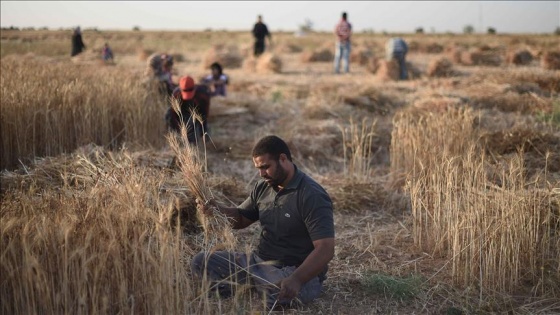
column 193, row 97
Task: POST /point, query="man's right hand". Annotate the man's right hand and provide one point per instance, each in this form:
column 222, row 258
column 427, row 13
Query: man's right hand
column 206, row 207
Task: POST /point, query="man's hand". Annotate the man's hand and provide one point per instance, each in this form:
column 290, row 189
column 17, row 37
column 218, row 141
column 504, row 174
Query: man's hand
column 289, row 288
column 207, row 208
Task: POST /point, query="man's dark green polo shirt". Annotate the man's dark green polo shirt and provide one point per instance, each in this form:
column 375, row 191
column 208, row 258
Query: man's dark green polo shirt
column 291, row 219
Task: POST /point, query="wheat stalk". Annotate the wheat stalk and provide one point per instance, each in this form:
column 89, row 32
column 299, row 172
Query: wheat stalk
column 193, row 165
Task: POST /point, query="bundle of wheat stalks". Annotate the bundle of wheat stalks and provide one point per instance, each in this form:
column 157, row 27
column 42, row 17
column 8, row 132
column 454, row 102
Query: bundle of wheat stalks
column 228, row 57
column 217, row 229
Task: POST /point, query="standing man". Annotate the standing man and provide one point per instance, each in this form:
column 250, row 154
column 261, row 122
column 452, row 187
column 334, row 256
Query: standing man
column 396, row 48
column 260, row 32
column 343, row 31
column 297, row 236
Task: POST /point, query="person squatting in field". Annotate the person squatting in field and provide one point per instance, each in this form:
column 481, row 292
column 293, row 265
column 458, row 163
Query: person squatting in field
column 217, row 80
column 159, row 72
column 166, row 71
column 107, row 53
column 296, row 241
column 193, row 97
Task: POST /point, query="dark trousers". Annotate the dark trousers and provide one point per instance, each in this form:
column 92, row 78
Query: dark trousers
column 401, row 60
column 259, row 47
column 225, row 270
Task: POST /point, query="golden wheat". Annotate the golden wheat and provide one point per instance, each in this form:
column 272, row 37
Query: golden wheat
column 496, row 232
column 52, row 109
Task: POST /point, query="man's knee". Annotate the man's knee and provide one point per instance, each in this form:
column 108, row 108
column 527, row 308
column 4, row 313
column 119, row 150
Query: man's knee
column 198, row 264
column 310, row 291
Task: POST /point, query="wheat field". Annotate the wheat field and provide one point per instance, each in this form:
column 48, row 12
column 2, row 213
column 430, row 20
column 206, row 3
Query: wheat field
column 446, row 186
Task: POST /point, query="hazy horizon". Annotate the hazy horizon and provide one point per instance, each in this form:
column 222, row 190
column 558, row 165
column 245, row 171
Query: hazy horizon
column 377, row 16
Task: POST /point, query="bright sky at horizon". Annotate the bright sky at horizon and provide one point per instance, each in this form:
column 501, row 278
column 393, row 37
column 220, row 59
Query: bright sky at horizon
column 390, row 16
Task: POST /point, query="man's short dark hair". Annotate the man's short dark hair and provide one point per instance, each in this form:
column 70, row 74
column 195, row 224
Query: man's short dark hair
column 272, row 145
column 344, row 15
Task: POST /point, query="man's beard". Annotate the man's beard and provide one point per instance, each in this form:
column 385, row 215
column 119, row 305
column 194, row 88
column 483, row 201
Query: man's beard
column 278, row 178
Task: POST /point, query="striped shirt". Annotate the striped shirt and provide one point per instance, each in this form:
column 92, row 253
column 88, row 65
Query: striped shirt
column 343, row 31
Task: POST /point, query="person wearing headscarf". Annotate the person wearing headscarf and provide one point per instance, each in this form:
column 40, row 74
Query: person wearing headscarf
column 77, row 43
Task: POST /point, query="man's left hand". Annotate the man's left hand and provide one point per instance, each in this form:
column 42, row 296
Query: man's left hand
column 289, row 288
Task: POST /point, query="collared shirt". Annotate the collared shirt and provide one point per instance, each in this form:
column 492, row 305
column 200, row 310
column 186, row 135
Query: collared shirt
column 343, row 31
column 291, row 219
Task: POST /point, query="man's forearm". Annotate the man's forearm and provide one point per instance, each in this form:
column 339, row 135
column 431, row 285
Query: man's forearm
column 315, row 263
column 235, row 218
column 232, row 214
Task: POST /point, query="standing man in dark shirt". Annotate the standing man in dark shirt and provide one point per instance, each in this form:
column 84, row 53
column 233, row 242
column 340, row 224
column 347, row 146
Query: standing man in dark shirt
column 260, row 31
column 297, row 236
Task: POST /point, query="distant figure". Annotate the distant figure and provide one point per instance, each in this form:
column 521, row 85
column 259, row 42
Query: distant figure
column 153, row 64
column 107, row 53
column 343, row 32
column 217, row 81
column 77, row 42
column 158, row 76
column 396, row 48
column 191, row 96
column 166, row 72
column 260, row 32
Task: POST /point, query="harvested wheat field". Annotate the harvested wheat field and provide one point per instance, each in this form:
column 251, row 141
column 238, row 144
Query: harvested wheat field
column 446, row 187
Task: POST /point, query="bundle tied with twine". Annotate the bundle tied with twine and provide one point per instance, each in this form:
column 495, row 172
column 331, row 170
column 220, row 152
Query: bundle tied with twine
column 217, row 229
